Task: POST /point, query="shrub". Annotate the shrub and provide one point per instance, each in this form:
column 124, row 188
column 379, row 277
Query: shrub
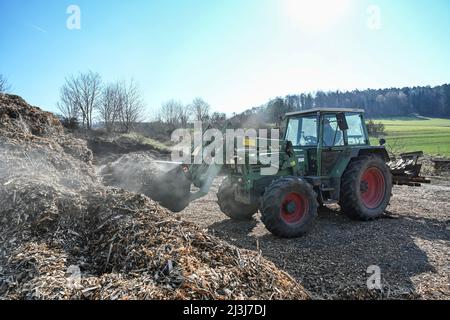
column 375, row 129
column 70, row 123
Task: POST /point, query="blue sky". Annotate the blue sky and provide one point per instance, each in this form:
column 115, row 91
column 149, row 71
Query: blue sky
column 234, row 53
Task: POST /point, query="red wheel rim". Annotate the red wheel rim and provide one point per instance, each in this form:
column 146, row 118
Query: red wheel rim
column 294, row 208
column 372, row 188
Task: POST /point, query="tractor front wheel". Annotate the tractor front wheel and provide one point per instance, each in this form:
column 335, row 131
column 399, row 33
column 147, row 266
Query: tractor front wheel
column 289, row 207
column 366, row 188
column 232, row 208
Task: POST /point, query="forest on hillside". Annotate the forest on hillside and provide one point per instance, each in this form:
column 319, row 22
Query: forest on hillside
column 392, row 102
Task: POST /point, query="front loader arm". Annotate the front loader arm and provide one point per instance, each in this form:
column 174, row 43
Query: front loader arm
column 203, row 177
column 173, row 188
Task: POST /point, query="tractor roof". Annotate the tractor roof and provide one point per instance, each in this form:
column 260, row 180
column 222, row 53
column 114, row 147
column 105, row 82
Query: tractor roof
column 323, row 110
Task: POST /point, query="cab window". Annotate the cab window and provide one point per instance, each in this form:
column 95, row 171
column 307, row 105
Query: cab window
column 302, row 132
column 332, row 135
column 355, row 132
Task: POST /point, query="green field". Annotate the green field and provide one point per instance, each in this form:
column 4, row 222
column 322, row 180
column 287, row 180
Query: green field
column 430, row 135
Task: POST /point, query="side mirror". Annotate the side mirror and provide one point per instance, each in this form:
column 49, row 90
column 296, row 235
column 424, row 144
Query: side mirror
column 342, row 121
column 382, row 142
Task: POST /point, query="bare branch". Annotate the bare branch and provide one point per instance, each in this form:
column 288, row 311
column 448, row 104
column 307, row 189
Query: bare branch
column 131, row 105
column 81, row 95
column 201, row 109
column 174, row 113
column 4, row 84
column 110, row 106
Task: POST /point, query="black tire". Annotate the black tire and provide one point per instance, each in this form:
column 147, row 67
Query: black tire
column 366, row 188
column 289, row 207
column 232, row 208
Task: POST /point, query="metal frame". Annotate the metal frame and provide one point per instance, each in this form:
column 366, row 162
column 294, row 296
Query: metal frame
column 323, row 110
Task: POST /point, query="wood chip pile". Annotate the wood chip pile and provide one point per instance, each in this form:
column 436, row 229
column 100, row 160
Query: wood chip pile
column 64, row 235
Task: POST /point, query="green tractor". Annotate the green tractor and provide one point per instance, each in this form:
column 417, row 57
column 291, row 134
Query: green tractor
column 325, row 157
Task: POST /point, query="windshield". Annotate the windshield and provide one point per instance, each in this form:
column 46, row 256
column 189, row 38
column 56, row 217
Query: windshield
column 302, row 132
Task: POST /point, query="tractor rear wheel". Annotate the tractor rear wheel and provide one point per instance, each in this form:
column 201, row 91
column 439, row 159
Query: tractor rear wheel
column 232, row 208
column 366, row 188
column 289, row 207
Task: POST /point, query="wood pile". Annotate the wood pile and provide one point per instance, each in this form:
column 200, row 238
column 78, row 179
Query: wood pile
column 64, row 235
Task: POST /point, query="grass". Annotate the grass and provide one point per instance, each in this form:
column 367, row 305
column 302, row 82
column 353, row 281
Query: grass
column 430, row 135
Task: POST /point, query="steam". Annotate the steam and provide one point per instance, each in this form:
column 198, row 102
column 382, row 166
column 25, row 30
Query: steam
column 136, row 172
column 140, row 172
column 44, row 165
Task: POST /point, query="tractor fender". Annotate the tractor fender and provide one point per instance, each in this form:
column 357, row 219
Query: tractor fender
column 379, row 151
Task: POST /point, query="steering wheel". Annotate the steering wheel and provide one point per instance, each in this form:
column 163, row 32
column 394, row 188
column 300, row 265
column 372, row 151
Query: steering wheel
column 310, row 140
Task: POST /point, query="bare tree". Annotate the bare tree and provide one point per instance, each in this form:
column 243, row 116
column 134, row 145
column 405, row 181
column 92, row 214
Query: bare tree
column 68, row 109
column 218, row 119
column 110, row 105
column 174, row 113
column 201, row 109
column 131, row 105
column 4, row 84
column 82, row 93
column 184, row 115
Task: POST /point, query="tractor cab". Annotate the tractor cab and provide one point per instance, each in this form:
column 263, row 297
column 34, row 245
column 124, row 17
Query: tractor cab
column 324, row 135
column 324, row 141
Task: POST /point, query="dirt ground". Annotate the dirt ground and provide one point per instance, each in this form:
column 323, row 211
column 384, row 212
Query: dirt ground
column 410, row 245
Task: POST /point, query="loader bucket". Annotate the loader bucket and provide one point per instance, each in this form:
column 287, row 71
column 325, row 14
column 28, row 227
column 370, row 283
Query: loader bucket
column 171, row 189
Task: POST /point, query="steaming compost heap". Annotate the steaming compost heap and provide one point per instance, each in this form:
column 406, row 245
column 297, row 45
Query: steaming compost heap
column 64, row 235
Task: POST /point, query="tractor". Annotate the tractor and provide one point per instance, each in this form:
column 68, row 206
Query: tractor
column 325, row 157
